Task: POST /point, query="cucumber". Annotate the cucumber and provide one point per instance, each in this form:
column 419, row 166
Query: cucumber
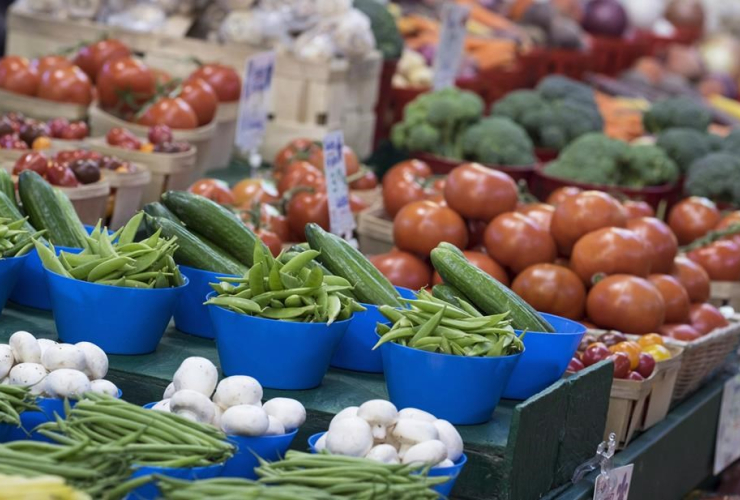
column 7, row 186
column 156, row 209
column 9, row 210
column 191, row 251
column 216, row 223
column 71, row 214
column 342, row 259
column 486, row 293
column 45, row 212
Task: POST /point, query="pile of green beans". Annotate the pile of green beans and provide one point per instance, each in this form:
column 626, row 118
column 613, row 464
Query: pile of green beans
column 117, row 260
column 14, row 240
column 14, row 400
column 434, row 325
column 234, row 488
column 287, row 290
column 350, row 477
column 146, row 437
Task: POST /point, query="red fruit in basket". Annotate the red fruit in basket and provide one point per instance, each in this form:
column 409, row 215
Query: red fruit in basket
column 175, row 113
column 32, row 131
column 610, row 250
column 646, row 367
column 202, row 98
column 403, row 269
column 404, row 183
column 561, row 194
column 706, row 318
column 480, row 193
column 160, row 134
column 552, row 289
column 625, row 303
column 213, row 189
column 540, row 212
column 45, row 63
column 92, row 57
column 172, row 147
column 721, row 260
column 587, row 340
column 224, row 80
column 637, row 209
column 301, row 174
column 675, row 296
column 612, row 338
column 693, row 278
column 621, row 364
column 17, row 75
column 75, row 131
column 56, row 125
column 123, row 138
column 686, row 333
column 635, row 376
column 595, row 353
column 38, row 162
column 575, row 365
column 86, row 171
column 585, row 212
column 422, row 225
column 69, row 155
column 517, row 242
column 123, row 82
column 692, row 218
column 662, row 245
column 12, row 141
column 69, row 85
column 61, row 175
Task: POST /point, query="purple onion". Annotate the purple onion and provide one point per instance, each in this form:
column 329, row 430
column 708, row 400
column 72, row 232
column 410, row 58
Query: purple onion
column 605, row 18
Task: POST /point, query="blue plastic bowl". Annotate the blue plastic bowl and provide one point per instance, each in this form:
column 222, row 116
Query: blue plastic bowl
column 118, row 320
column 443, row 489
column 280, row 354
column 546, row 357
column 463, row 390
column 10, row 270
column 151, row 491
column 5, row 431
column 355, row 351
column 32, row 290
column 191, row 316
column 244, row 461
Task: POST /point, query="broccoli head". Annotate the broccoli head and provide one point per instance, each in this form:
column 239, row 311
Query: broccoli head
column 515, row 105
column 387, row 36
column 676, row 112
column 731, row 143
column 497, row 141
column 716, row 176
column 592, row 158
column 685, row 145
column 558, row 87
column 648, row 166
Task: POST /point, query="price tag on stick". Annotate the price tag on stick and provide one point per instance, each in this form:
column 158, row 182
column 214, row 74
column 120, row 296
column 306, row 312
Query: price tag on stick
column 450, row 47
column 340, row 215
column 615, row 485
column 253, row 103
column 727, row 449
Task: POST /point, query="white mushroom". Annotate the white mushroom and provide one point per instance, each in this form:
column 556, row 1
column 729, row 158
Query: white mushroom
column 169, row 391
column 103, row 386
column 416, row 414
column 44, row 344
column 238, row 390
column 409, row 432
column 444, row 463
column 64, row 356
column 196, row 374
column 350, row 436
column 28, row 375
column 96, row 360
column 25, row 348
column 380, row 414
column 350, row 411
column 276, row 427
column 320, row 443
column 288, row 411
column 217, row 414
column 383, row 453
column 429, row 453
column 66, row 383
column 163, row 405
column 192, row 405
column 451, row 438
column 6, row 360
column 245, row 420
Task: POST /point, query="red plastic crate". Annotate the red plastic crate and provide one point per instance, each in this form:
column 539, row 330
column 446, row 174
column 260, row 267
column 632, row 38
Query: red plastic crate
column 571, row 63
column 443, row 166
column 612, row 55
column 383, row 109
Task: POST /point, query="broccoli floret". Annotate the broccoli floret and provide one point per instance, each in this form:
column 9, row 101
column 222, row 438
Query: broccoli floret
column 685, row 145
column 497, row 141
column 592, row 158
column 676, row 112
column 387, row 36
column 716, row 176
column 423, row 137
column 648, row 166
column 731, row 143
column 515, row 105
column 558, row 87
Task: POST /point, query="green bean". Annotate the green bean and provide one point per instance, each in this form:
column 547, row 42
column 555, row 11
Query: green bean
column 286, row 312
column 274, row 280
column 293, row 301
column 333, row 308
column 300, row 261
column 256, row 276
column 394, row 335
column 49, row 259
column 433, row 307
column 130, row 229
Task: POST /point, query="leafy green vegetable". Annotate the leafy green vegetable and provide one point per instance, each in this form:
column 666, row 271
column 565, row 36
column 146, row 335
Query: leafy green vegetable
column 676, row 112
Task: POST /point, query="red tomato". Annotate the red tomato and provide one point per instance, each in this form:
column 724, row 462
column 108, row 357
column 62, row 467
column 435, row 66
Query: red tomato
column 480, row 193
column 675, row 297
column 351, row 162
column 575, row 365
column 482, row 262
column 706, row 318
column 626, row 303
column 721, row 260
column 247, row 192
column 17, row 75
column 561, row 194
column 729, row 220
column 621, row 364
column 297, row 149
column 404, row 183
column 91, row 58
column 552, row 289
column 422, row 225
column 661, row 243
column 356, row 203
column 307, row 207
column 121, row 77
column 301, row 174
column 173, row 112
column 270, row 239
column 693, row 278
column 637, row 209
column 692, row 218
column 516, row 241
column 61, row 175
column 68, row 84
column 42, row 64
column 367, row 181
column 224, row 80
column 686, row 333
column 540, row 212
column 403, row 269
column 272, row 220
column 119, row 136
column 202, row 98
column 595, row 353
column 38, row 162
column 583, row 213
column 213, row 189
column 610, row 250
column 161, row 76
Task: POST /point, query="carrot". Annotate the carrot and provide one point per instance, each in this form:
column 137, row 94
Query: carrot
column 485, row 16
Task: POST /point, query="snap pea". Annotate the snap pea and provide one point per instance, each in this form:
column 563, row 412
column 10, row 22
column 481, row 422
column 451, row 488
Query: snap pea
column 14, row 240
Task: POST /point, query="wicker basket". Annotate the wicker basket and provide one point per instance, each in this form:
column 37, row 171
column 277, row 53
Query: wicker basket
column 627, row 406
column 10, row 156
column 372, row 197
column 726, row 293
column 40, row 109
column 127, row 191
column 222, row 144
column 375, row 231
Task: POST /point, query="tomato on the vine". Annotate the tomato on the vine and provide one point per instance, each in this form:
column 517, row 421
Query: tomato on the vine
column 18, row 75
column 224, row 80
column 729, row 220
column 202, row 99
column 301, row 174
column 247, row 192
column 404, row 183
column 403, row 269
column 610, row 250
column 351, row 161
column 626, row 303
column 662, row 245
column 585, row 212
column 552, row 289
column 692, row 218
column 173, row 112
column 91, row 58
column 305, row 207
column 480, row 193
column 422, row 225
column 297, row 149
column 683, row 332
column 517, row 242
column 124, row 83
column 69, row 84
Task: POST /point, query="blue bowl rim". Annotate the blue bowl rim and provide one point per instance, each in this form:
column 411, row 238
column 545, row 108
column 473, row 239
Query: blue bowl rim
column 560, row 318
column 148, row 290
column 41, row 398
column 190, row 268
column 19, row 257
column 366, row 304
column 134, row 467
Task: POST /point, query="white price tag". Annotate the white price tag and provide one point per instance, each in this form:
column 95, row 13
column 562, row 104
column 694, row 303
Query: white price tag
column 727, row 449
column 450, row 47
column 253, row 104
column 615, row 485
column 335, row 171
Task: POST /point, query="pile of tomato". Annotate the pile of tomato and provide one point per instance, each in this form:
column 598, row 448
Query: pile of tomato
column 633, row 359
column 70, row 168
column 54, row 78
column 20, row 132
column 159, row 140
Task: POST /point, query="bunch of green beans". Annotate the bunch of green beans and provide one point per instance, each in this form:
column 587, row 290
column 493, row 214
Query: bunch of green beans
column 350, row 477
column 117, row 260
column 147, row 437
column 236, row 489
column 14, row 240
column 288, row 290
column 14, row 400
column 434, row 325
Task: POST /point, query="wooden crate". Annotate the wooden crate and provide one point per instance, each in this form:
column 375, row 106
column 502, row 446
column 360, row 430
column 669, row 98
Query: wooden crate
column 127, row 192
column 90, row 200
column 375, row 231
column 371, row 197
column 664, row 382
column 8, row 157
column 222, row 144
column 627, row 407
column 725, row 293
column 41, row 109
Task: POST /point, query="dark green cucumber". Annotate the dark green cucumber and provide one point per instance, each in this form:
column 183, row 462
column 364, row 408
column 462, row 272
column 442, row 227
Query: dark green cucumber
column 451, row 247
column 44, row 211
column 446, row 293
column 156, row 209
column 70, row 214
column 486, row 293
column 7, row 186
column 342, row 259
column 216, row 223
column 191, row 251
column 9, row 210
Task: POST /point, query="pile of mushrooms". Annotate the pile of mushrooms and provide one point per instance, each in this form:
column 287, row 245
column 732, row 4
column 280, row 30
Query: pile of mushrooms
column 236, row 405
column 52, row 369
column 378, row 431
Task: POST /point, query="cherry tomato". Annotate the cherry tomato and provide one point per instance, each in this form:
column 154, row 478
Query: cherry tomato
column 403, row 269
column 658, row 352
column 575, row 365
column 692, row 218
column 662, row 245
column 706, row 318
column 610, row 250
column 202, row 98
column 612, row 338
column 173, row 112
column 42, row 64
column 686, row 333
column 367, row 181
column 224, row 80
column 68, row 84
column 583, row 213
column 307, row 207
column 731, row 219
column 124, row 81
column 675, row 297
column 38, row 162
column 631, row 349
column 693, row 278
column 119, row 136
column 12, row 141
column 650, row 339
column 517, row 241
column 160, row 134
column 622, row 364
column 273, row 220
column 213, row 189
column 482, row 262
column 247, row 192
column 297, row 149
column 91, row 58
column 626, row 303
column 635, row 376
column 61, row 175
column 552, row 289
column 75, row 131
column 636, row 209
column 721, row 260
column 595, row 353
column 540, row 212
column 480, row 193
column 17, row 75
column 587, row 340
column 422, row 225
column 404, row 183
column 351, row 161
column 273, row 242
column 561, row 194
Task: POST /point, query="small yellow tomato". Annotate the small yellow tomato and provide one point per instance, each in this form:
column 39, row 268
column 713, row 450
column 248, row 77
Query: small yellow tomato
column 631, row 349
column 41, row 143
column 650, row 339
column 659, row 352
column 147, row 147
